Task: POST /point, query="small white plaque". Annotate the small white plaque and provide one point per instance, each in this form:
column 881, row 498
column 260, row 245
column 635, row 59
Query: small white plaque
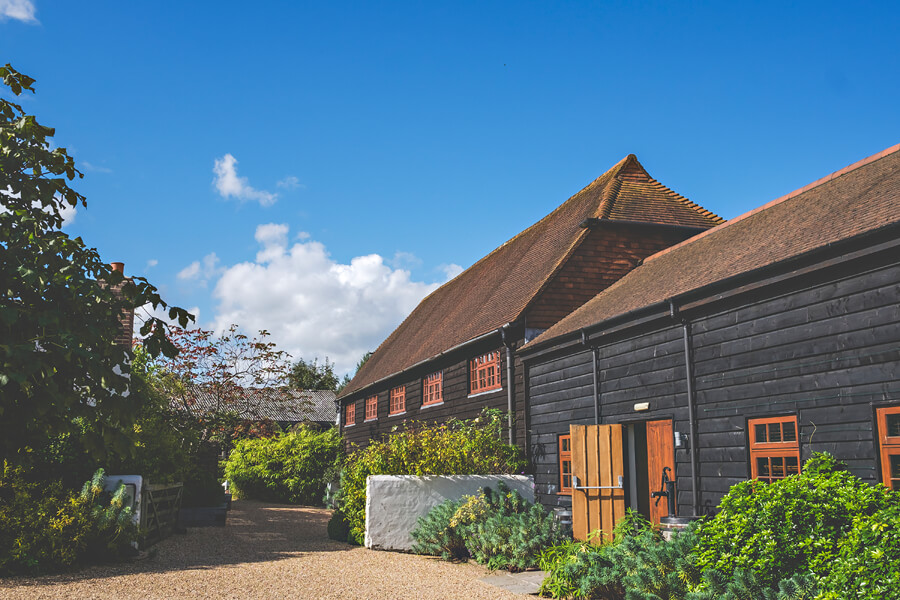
column 642, row 406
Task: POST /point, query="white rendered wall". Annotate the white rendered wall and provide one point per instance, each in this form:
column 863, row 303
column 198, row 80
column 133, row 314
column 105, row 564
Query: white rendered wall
column 394, row 502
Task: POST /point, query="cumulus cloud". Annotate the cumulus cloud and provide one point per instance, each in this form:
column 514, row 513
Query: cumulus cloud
column 312, row 304
column 230, row 185
column 151, row 263
column 20, row 10
column 68, row 214
column 201, row 271
column 450, row 271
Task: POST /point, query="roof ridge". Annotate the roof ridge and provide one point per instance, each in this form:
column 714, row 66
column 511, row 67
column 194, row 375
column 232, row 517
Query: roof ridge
column 848, row 169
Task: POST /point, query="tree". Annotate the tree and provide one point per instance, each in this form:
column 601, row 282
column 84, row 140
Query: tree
column 365, row 358
column 227, row 374
column 59, row 302
column 313, row 376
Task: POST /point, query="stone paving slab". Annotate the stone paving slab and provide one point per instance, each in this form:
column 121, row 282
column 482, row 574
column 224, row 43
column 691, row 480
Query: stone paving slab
column 527, row 582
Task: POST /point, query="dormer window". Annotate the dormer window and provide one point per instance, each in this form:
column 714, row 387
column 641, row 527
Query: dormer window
column 484, row 373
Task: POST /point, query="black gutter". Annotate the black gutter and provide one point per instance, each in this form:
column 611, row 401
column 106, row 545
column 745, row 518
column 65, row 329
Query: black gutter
column 691, row 402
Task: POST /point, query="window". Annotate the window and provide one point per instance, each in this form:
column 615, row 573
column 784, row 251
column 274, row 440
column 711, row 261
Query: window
column 889, row 438
column 432, row 389
column 565, row 464
column 774, row 448
column 350, row 414
column 371, row 408
column 398, row 400
column 484, row 373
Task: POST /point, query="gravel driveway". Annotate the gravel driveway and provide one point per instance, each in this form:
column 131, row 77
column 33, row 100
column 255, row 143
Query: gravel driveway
column 265, row 551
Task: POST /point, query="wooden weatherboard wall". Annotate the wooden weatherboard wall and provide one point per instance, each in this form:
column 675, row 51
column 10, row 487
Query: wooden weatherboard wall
column 823, row 345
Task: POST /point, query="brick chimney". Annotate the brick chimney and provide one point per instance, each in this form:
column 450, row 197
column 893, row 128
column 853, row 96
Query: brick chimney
column 127, row 317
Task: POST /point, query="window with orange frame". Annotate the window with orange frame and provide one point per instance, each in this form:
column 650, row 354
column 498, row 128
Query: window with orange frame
column 371, row 408
column 432, row 389
column 484, row 373
column 889, row 440
column 565, row 464
column 774, row 448
column 350, row 414
column 398, row 400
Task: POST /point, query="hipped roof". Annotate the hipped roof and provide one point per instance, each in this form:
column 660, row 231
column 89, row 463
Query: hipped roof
column 497, row 289
column 853, row 201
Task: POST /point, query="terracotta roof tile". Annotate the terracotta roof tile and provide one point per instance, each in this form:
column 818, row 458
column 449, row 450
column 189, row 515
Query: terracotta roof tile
column 282, row 404
column 850, row 202
column 497, row 289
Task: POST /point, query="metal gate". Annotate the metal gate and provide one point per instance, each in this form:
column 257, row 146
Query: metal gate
column 598, row 479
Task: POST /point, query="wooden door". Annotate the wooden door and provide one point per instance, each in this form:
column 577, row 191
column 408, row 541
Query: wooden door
column 660, row 454
column 598, row 500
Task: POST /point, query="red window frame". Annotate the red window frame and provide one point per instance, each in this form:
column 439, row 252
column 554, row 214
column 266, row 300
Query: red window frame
column 484, row 373
column 372, row 408
column 565, row 464
column 350, row 414
column 889, row 424
column 774, row 448
column 433, row 389
column 398, row 400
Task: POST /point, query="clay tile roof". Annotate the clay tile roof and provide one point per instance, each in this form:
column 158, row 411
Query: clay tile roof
column 281, row 404
column 496, row 290
column 860, row 198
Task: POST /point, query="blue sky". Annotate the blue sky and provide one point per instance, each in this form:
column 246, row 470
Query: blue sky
column 314, row 169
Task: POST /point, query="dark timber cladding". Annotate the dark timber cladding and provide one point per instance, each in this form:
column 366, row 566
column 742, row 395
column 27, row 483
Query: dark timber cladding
column 792, row 312
column 523, row 287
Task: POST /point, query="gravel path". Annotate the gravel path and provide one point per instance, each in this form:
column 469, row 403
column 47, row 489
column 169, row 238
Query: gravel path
column 265, row 551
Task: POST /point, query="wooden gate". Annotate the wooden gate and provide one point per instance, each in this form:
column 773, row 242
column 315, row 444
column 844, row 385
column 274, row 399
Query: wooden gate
column 598, row 470
column 660, row 454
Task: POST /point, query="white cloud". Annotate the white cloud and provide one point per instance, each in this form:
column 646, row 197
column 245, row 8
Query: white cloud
column 68, row 214
column 92, row 167
column 20, row 10
column 230, row 185
column 313, row 305
column 405, row 260
column 201, row 271
column 151, row 263
column 290, row 183
column 450, row 271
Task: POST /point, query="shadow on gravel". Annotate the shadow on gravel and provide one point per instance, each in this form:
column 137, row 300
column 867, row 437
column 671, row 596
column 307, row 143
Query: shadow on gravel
column 255, row 532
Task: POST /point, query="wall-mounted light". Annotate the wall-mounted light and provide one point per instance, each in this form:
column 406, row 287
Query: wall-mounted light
column 680, row 439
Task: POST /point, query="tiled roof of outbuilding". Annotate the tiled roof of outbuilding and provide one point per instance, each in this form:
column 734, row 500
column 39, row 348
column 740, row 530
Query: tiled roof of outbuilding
column 279, row 404
column 860, row 198
column 498, row 288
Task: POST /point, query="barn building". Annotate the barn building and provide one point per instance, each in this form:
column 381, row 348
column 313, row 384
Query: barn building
column 733, row 355
column 455, row 353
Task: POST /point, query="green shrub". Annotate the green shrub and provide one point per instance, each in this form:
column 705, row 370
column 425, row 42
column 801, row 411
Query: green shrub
column 473, row 447
column 338, row 527
column 510, row 532
column 437, row 534
column 499, row 529
column 794, row 525
column 285, row 468
column 636, row 564
column 45, row 528
column 744, row 585
column 869, row 558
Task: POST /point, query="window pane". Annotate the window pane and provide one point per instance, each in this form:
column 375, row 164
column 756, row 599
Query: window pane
column 762, row 467
column 565, row 444
column 761, row 434
column 777, row 466
column 775, row 432
column 895, row 466
column 793, row 465
column 790, row 431
column 893, row 425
